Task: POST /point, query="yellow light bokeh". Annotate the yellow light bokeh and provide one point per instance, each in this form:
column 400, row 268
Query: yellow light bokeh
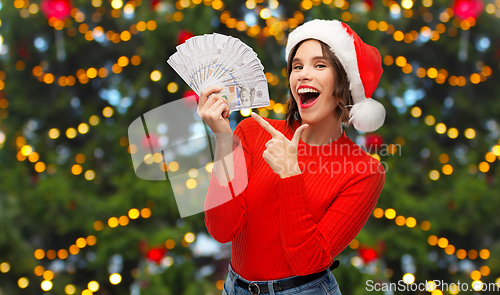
column 73, row 249
column 400, row 61
column 411, row 222
column 441, row 128
column 39, row 270
column 94, row 120
column 98, row 225
column 398, row 36
column 450, row 249
column 51, row 254
column 113, row 222
column 169, row 244
column 133, row 213
column 173, row 166
column 70, row 289
column 172, row 87
column 453, row 133
column 245, row 112
column 473, row 254
column 123, row 220
column 89, row 174
column 432, row 73
column 354, row 244
column 447, row 169
column 71, row 133
column 81, row 242
column 407, row 4
column 39, row 254
column 115, row 278
column 490, row 157
column 485, row 270
column 470, row 133
column 390, row 213
column 484, row 167
column 40, row 167
column 4, row 267
column 425, row 225
column 146, row 213
column 91, row 240
column 76, row 169
column 26, row 150
column 83, row 128
column 278, row 108
column 92, row 73
column 432, row 240
column 434, row 175
column 191, row 183
column 155, row 75
column 484, row 254
column 93, row 286
column 461, row 254
column 62, row 254
column 107, row 112
column 378, row 213
column 444, row 158
column 400, row 220
column 475, row 275
column 54, row 133
column 416, row 112
column 496, row 150
column 189, row 237
column 23, row 282
column 46, row 285
column 430, row 120
column 409, row 278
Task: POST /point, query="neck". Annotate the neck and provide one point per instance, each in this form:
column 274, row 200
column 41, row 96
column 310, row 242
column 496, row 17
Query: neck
column 321, row 133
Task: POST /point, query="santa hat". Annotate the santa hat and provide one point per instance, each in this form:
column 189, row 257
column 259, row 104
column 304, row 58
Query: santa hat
column 362, row 63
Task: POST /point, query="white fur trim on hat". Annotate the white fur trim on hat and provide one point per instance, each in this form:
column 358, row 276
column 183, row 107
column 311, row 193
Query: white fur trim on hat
column 368, row 115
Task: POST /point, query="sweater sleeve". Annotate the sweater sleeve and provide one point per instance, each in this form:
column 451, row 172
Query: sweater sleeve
column 225, row 206
column 310, row 247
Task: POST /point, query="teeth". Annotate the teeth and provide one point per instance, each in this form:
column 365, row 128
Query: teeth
column 306, row 90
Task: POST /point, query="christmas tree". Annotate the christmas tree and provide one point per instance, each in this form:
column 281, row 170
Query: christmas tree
column 76, row 219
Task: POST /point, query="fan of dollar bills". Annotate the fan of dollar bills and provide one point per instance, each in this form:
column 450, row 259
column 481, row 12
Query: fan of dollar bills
column 216, row 59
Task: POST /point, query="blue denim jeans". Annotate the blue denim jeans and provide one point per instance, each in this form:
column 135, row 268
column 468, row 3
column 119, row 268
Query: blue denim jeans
column 324, row 285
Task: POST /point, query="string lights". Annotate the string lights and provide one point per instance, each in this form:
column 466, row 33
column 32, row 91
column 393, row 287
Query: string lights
column 469, row 133
column 433, row 240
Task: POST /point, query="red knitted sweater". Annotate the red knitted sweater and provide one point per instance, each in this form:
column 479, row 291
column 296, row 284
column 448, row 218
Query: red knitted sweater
column 296, row 225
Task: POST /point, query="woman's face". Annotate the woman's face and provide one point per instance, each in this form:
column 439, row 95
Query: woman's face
column 311, row 83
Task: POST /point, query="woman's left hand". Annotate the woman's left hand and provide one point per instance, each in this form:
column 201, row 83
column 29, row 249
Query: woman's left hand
column 281, row 153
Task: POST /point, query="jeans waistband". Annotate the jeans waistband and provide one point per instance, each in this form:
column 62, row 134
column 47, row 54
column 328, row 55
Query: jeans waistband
column 233, row 276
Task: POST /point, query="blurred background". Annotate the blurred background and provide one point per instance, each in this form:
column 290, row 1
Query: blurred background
column 75, row 219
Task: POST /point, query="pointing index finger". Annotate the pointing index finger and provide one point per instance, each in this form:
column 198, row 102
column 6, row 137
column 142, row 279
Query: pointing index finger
column 266, row 125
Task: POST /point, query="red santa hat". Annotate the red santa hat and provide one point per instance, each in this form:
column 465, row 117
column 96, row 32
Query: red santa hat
column 362, row 63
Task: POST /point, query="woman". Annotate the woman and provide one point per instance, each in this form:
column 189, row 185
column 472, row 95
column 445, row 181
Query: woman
column 292, row 194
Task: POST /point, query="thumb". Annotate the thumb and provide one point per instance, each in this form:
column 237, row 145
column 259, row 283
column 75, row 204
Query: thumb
column 298, row 133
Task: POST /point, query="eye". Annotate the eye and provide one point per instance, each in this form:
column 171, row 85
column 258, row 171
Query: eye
column 297, row 67
column 321, row 65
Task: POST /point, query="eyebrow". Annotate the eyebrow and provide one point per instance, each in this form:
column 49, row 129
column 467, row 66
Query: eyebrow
column 296, row 59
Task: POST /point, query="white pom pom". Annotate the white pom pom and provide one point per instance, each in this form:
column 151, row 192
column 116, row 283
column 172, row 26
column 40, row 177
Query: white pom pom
column 368, row 115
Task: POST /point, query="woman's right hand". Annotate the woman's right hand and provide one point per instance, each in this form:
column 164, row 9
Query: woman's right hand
column 213, row 109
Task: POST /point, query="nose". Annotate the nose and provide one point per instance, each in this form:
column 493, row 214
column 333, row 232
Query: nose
column 304, row 74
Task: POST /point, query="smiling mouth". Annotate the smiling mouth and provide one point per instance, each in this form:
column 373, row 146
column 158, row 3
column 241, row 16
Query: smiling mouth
column 308, row 96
